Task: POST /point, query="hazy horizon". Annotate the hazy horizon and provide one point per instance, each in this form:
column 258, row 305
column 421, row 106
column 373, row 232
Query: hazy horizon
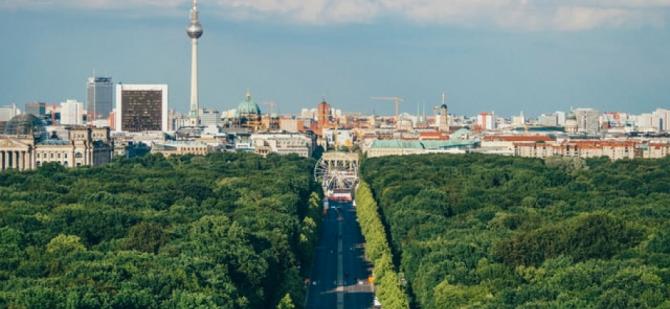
column 607, row 55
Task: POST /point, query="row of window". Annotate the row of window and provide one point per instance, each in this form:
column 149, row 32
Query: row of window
column 50, row 155
column 193, row 149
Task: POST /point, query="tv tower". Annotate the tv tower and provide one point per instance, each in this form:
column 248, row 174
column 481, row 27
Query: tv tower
column 194, row 32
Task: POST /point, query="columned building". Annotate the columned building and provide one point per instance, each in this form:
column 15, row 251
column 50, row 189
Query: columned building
column 14, row 156
column 25, row 146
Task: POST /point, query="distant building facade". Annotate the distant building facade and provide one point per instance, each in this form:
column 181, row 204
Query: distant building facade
column 585, row 149
column 486, row 121
column 141, row 108
column 100, row 98
column 656, row 150
column 548, row 120
column 180, row 148
column 383, row 148
column 72, row 113
column 25, row 146
column 210, row 117
column 505, row 144
column 588, row 121
column 292, row 125
column 283, row 144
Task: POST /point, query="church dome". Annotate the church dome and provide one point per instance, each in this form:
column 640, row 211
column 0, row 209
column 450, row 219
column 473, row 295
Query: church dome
column 25, row 125
column 248, row 107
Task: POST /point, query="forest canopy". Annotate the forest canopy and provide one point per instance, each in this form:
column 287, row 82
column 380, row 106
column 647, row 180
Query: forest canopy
column 500, row 232
column 222, row 231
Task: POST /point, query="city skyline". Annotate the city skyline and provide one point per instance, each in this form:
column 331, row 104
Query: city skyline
column 294, row 62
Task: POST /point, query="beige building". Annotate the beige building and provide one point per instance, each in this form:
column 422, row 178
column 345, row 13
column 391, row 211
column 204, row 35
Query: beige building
column 25, row 146
column 656, row 150
column 613, row 149
column 505, row 144
column 291, row 125
column 282, row 143
column 180, row 149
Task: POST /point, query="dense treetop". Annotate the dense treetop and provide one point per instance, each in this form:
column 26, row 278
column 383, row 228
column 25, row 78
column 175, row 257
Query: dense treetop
column 226, row 230
column 499, row 232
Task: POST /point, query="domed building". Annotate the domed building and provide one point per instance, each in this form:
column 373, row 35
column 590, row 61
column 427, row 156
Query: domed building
column 25, row 145
column 26, row 125
column 248, row 113
column 248, row 108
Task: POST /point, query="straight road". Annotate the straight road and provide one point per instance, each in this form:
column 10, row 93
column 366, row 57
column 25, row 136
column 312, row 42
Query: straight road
column 340, row 273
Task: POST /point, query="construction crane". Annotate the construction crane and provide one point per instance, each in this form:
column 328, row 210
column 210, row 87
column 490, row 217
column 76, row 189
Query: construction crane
column 271, row 105
column 395, row 100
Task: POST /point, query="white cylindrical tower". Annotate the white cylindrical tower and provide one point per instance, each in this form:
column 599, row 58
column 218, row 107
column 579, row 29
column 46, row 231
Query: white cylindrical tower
column 194, row 31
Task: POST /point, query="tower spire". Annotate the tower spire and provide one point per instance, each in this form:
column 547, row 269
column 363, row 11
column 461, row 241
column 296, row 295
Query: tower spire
column 194, row 12
column 194, row 32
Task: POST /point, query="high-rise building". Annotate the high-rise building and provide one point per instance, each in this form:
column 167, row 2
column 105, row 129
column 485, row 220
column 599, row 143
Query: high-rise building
column 71, row 113
column 588, row 121
column 100, row 98
column 661, row 119
column 548, row 120
column 194, row 32
column 561, row 117
column 210, row 117
column 645, row 122
column 141, row 108
column 486, row 121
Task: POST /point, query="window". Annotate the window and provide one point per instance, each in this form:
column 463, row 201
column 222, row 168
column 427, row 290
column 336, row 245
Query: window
column 66, row 156
column 52, row 155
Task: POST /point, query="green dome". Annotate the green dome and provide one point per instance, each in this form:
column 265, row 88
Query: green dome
column 248, row 107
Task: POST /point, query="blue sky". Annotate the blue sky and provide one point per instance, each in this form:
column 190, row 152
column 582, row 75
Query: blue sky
column 489, row 55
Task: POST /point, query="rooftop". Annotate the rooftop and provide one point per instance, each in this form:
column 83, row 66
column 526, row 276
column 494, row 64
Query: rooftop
column 416, row 144
column 518, row 138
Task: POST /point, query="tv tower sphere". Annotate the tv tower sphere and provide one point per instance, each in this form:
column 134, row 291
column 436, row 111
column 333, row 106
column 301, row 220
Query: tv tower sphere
column 194, row 30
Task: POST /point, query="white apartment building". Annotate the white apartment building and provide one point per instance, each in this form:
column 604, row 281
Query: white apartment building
column 72, row 113
column 282, row 143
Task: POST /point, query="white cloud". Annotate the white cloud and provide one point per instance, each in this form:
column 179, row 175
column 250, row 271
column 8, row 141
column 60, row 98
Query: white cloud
column 563, row 15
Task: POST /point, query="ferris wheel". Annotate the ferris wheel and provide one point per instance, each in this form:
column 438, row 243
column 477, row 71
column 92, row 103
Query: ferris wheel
column 336, row 175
